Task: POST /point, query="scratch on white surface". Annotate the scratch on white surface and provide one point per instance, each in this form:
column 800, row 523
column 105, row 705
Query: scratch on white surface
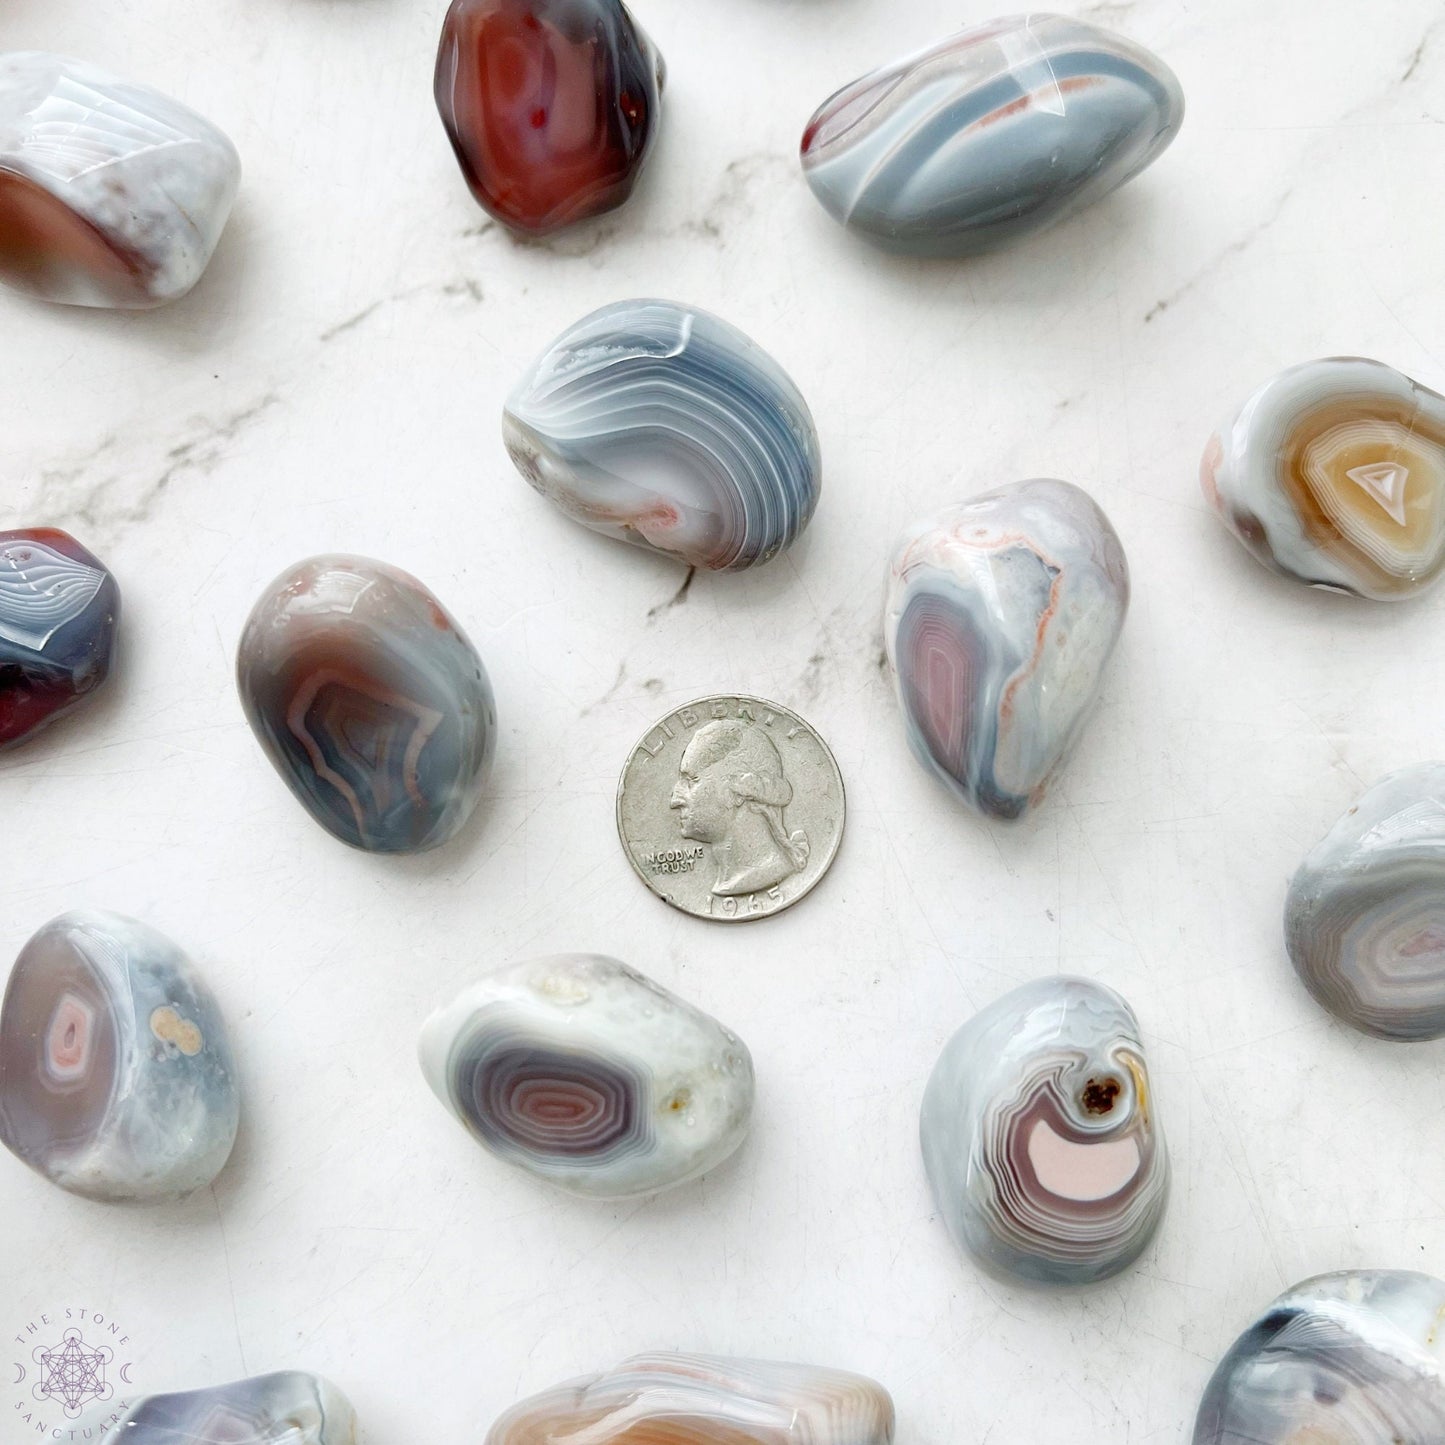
column 230, row 1281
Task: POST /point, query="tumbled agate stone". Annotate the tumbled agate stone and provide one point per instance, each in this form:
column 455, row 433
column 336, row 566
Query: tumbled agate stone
column 1353, row 1358
column 116, row 1077
column 585, row 1073
column 991, row 134
column 665, row 426
column 551, row 106
column 1040, row 1135
column 286, row 1408
column 111, row 194
column 1000, row 617
column 1365, row 917
column 58, row 612
column 670, row 1399
column 369, row 701
column 1333, row 472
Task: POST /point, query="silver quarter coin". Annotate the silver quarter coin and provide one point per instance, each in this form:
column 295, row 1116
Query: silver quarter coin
column 731, row 808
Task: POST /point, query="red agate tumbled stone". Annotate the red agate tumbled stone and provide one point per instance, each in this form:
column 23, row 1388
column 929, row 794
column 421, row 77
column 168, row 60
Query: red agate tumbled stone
column 551, row 106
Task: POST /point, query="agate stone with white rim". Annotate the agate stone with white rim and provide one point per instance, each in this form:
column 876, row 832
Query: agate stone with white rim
column 663, row 425
column 1001, row 614
column 289, row 1407
column 1333, row 473
column 116, row 1077
column 991, row 134
column 111, row 193
column 674, row 1399
column 1040, row 1135
column 1365, row 917
column 1353, row 1358
column 585, row 1073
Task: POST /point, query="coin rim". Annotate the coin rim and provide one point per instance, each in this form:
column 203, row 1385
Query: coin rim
column 736, row 917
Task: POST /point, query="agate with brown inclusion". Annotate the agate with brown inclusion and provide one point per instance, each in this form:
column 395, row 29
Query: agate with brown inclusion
column 551, row 106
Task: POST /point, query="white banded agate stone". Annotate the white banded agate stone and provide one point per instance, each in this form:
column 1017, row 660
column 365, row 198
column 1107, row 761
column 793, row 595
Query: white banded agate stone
column 1365, row 916
column 116, row 1077
column 111, row 193
column 289, row 1407
column 583, row 1072
column 672, row 1399
column 1333, row 473
column 1001, row 615
column 1040, row 1137
column 1352, row 1358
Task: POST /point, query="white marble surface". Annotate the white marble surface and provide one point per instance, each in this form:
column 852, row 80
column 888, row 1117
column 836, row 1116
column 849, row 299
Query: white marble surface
column 336, row 382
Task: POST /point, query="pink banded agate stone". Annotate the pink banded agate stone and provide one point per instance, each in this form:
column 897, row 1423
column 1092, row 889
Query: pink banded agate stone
column 674, row 1399
column 1041, row 1138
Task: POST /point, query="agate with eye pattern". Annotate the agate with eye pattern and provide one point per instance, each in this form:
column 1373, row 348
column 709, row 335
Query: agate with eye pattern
column 1365, row 917
column 1333, row 473
column 1352, row 1358
column 370, row 701
column 116, row 1075
column 663, row 425
column 1001, row 616
column 288, row 1407
column 585, row 1073
column 991, row 134
column 678, row 1399
column 1041, row 1137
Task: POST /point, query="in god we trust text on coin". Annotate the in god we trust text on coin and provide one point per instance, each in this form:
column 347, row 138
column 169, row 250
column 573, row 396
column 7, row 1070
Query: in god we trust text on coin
column 731, row 808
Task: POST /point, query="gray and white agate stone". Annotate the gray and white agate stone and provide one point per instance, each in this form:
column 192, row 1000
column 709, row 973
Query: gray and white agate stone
column 584, row 1072
column 1041, row 1138
column 994, row 133
column 116, row 1076
column 663, row 425
column 1365, row 917
column 1353, row 1358
column 111, row 193
column 289, row 1407
column 1001, row 615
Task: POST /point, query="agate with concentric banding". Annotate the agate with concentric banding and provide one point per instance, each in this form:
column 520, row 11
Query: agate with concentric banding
column 665, row 426
column 675, row 1399
column 1333, row 473
column 1041, row 1138
column 584, row 1072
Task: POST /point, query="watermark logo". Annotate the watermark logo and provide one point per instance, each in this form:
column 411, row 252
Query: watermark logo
column 66, row 1386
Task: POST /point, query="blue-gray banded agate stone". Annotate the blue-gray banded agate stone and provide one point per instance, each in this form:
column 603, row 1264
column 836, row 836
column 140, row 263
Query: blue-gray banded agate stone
column 1351, row 1358
column 663, row 425
column 116, row 1076
column 991, row 134
column 289, row 1407
column 1365, row 916
column 1000, row 618
column 369, row 701
column 1040, row 1135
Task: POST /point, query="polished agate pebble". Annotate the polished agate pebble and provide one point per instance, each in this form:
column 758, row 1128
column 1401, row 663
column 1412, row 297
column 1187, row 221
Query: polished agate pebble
column 285, row 1408
column 116, row 1077
column 1353, row 1358
column 1333, row 473
column 991, row 134
column 369, row 701
column 665, row 426
column 672, row 1399
column 1001, row 614
column 1365, row 917
column 111, row 194
column 551, row 106
column 585, row 1073
column 1040, row 1136
column 58, row 611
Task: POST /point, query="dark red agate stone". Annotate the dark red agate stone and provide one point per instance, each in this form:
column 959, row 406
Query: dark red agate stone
column 58, row 611
column 551, row 106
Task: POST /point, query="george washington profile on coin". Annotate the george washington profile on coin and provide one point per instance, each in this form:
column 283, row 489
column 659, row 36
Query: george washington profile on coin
column 730, row 794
